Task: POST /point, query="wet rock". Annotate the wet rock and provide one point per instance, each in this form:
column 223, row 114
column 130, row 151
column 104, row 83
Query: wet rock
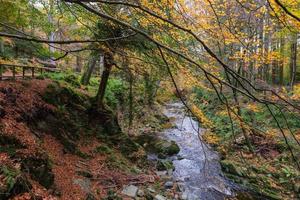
column 180, row 187
column 130, row 191
column 184, row 196
column 170, row 172
column 161, row 173
column 159, row 197
column 85, row 184
column 169, row 184
column 161, row 147
column 172, row 149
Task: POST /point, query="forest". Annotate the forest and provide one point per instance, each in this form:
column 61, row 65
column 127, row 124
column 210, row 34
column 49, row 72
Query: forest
column 149, row 99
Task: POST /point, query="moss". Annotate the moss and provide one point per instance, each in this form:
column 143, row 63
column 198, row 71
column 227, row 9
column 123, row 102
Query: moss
column 231, row 168
column 156, row 145
column 115, row 161
column 164, row 165
column 72, row 79
column 172, row 149
column 58, row 94
column 103, row 149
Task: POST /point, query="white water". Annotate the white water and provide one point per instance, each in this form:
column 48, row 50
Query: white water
column 198, row 170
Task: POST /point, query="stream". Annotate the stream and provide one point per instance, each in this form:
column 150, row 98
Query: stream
column 197, row 167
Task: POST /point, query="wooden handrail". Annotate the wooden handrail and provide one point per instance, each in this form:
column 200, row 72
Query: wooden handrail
column 24, row 67
column 28, row 66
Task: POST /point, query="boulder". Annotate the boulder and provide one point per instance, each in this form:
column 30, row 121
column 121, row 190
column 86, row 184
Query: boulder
column 130, row 191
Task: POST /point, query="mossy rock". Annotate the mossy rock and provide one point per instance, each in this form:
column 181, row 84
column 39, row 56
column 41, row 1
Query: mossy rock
column 163, row 165
column 156, row 145
column 57, row 94
column 103, row 149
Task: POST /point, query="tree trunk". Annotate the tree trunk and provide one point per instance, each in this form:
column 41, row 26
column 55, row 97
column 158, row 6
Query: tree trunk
column 85, row 80
column 130, row 97
column 293, row 61
column 108, row 63
column 52, row 33
column 281, row 60
column 1, row 48
column 78, row 64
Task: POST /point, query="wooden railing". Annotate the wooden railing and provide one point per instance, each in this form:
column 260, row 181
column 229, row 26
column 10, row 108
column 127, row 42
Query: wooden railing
column 32, row 69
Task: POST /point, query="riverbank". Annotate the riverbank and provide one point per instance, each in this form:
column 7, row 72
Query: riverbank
column 56, row 145
column 266, row 167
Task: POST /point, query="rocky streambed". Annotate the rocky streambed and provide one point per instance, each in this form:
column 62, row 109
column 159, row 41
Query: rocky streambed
column 197, row 171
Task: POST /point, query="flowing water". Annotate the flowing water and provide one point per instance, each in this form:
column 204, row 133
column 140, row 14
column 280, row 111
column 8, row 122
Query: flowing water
column 197, row 167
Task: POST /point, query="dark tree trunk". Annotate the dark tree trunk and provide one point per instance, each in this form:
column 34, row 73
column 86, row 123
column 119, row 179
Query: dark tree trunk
column 85, row 80
column 108, row 63
column 78, row 64
column 293, row 61
column 281, row 61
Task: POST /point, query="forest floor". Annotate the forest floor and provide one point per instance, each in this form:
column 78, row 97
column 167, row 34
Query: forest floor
column 53, row 146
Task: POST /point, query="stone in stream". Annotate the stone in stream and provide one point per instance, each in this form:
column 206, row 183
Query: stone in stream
column 159, row 197
column 161, row 173
column 130, row 191
column 184, row 196
column 169, row 184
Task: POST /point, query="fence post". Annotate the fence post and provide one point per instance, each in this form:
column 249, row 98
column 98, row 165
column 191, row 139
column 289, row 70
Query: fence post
column 14, row 72
column 24, row 68
column 1, row 71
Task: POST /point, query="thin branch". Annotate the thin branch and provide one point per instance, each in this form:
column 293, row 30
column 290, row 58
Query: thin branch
column 33, row 39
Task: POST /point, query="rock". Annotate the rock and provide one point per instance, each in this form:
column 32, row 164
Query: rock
column 170, row 172
column 168, row 184
column 184, row 196
column 173, row 149
column 130, row 191
column 141, row 193
column 159, row 197
column 151, row 190
column 179, row 157
column 180, row 187
column 85, row 184
column 161, row 173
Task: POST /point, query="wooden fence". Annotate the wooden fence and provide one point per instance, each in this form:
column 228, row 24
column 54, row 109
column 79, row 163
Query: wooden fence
column 32, row 69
